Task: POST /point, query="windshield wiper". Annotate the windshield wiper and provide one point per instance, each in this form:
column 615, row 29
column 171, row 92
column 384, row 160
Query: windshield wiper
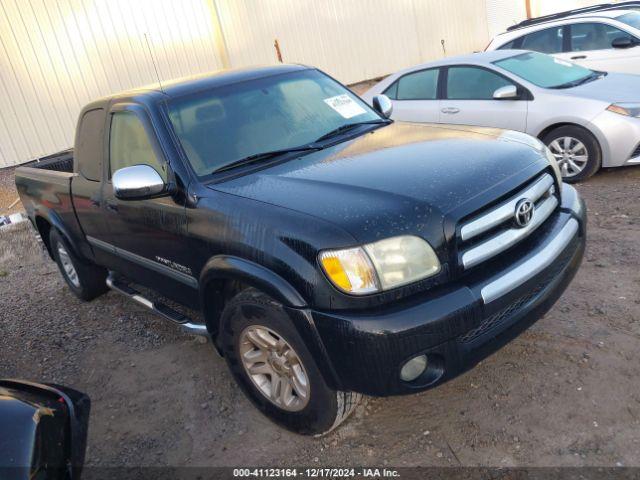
column 581, row 81
column 257, row 157
column 349, row 126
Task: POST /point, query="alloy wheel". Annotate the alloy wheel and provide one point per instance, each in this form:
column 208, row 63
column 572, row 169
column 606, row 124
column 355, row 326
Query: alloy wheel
column 67, row 265
column 275, row 368
column 571, row 154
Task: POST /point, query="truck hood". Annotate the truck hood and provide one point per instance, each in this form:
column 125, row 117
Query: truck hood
column 614, row 87
column 400, row 179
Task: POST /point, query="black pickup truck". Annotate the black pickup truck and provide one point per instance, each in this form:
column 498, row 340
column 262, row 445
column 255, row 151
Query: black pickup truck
column 331, row 251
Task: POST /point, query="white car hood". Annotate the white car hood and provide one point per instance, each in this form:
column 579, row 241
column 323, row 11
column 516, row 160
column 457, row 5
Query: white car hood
column 614, row 87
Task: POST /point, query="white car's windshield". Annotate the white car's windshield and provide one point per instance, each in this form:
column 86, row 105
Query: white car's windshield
column 223, row 126
column 632, row 19
column 546, row 71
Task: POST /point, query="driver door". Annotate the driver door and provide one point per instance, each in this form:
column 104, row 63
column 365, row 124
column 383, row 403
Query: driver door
column 468, row 100
column 145, row 236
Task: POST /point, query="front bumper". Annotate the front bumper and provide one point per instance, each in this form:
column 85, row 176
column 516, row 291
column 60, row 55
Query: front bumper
column 459, row 326
column 619, row 138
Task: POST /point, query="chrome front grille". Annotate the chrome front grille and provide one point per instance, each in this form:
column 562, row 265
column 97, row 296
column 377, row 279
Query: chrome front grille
column 495, row 230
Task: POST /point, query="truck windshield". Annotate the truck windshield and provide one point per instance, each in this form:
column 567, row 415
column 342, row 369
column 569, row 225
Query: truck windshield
column 546, row 71
column 222, row 126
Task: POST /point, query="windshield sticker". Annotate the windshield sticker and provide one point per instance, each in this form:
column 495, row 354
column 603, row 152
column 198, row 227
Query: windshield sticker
column 345, row 106
column 563, row 62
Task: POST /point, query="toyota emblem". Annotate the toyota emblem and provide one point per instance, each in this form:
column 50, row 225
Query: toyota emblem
column 524, row 212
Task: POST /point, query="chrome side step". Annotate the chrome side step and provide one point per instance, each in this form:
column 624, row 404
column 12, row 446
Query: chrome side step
column 158, row 308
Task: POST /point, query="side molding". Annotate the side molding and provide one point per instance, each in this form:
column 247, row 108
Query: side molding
column 236, row 268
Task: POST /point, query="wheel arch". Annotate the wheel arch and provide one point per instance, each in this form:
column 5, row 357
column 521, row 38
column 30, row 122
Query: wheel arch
column 225, row 275
column 600, row 139
column 44, row 224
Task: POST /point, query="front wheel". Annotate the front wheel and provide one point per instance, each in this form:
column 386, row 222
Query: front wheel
column 576, row 150
column 275, row 369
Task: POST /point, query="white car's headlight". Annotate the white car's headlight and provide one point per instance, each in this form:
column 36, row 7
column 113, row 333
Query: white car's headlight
column 381, row 265
column 628, row 109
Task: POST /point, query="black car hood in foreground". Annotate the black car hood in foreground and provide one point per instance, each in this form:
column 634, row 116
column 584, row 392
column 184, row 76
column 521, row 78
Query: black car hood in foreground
column 401, row 179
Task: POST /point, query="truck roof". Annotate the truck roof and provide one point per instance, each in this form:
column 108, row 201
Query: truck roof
column 181, row 86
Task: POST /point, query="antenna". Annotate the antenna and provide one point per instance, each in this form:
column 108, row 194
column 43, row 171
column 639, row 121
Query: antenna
column 153, row 61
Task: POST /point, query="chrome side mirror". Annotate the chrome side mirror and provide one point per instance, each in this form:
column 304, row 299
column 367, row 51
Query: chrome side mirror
column 382, row 105
column 508, row 92
column 137, row 182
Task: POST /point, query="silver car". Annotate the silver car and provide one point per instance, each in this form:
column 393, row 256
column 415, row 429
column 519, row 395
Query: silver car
column 587, row 118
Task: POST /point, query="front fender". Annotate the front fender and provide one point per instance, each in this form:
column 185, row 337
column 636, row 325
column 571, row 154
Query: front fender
column 227, row 267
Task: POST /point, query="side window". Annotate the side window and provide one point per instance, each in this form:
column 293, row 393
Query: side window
column 594, row 36
column 545, row 41
column 508, row 46
column 421, row 85
column 88, row 151
column 392, row 91
column 471, row 83
column 129, row 144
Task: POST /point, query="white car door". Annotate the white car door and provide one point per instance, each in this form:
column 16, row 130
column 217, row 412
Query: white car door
column 415, row 97
column 468, row 100
column 591, row 45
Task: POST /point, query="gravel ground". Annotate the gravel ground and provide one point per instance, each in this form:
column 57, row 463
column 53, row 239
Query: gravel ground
column 565, row 393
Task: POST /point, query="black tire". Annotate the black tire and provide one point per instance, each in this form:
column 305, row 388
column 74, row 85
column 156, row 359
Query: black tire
column 91, row 279
column 588, row 140
column 325, row 409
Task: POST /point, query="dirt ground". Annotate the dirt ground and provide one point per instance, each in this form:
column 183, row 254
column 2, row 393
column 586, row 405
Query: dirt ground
column 565, row 393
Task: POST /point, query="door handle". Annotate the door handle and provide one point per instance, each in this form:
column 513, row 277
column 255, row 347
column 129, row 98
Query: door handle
column 112, row 206
column 579, row 57
column 450, row 110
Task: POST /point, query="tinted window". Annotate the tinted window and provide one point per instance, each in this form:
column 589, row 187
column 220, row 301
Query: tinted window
column 508, row 46
column 543, row 70
column 392, row 91
column 470, row 83
column 221, row 125
column 544, row 41
column 88, row 149
column 421, row 85
column 129, row 144
column 594, row 36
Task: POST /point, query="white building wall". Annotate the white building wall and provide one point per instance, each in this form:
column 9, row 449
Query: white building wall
column 57, row 55
column 504, row 13
column 351, row 40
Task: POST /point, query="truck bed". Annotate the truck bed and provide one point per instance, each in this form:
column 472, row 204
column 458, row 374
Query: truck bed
column 60, row 162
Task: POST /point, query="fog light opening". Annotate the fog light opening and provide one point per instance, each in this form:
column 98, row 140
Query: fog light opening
column 413, row 368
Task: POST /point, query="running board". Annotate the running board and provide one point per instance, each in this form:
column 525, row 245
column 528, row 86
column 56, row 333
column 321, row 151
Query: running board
column 158, row 308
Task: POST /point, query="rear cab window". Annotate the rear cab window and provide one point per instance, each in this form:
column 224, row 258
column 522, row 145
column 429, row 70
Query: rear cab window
column 88, row 150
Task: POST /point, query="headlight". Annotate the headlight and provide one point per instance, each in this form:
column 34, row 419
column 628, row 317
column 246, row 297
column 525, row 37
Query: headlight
column 628, row 109
column 382, row 265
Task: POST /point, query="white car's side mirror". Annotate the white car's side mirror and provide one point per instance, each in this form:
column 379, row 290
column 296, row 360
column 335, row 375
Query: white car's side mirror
column 509, row 92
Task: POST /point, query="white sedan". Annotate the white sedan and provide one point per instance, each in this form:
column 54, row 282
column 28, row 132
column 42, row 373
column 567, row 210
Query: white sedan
column 587, row 118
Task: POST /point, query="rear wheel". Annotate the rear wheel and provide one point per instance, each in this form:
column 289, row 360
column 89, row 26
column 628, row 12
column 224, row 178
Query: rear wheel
column 576, row 150
column 275, row 369
column 86, row 280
